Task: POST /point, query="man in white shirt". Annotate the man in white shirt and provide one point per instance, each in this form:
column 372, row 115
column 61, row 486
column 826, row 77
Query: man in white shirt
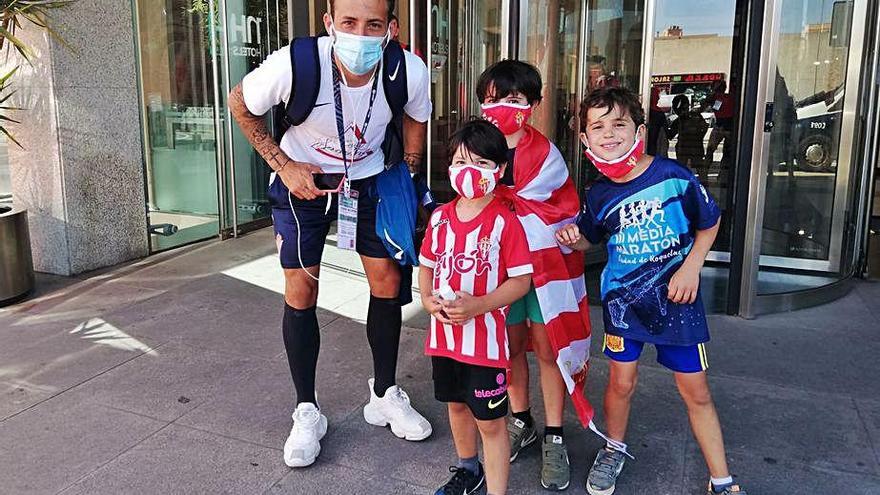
column 342, row 134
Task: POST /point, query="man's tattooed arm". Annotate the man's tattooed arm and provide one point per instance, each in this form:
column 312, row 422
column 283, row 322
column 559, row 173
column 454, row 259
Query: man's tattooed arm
column 414, row 136
column 295, row 175
column 254, row 129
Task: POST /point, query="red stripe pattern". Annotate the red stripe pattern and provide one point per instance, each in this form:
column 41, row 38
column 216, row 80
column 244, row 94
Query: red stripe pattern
column 545, row 198
column 476, row 257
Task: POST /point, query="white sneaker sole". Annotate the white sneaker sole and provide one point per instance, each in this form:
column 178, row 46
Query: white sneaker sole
column 555, row 488
column 596, row 491
column 376, row 418
column 308, row 461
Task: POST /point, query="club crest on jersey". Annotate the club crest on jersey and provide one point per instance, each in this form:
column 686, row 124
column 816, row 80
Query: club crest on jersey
column 483, row 246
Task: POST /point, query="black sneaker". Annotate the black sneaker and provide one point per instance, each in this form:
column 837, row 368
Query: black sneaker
column 462, row 482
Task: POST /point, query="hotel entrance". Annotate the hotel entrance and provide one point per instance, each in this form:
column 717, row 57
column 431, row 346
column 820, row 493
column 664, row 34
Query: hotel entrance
column 203, row 178
column 761, row 100
column 768, row 127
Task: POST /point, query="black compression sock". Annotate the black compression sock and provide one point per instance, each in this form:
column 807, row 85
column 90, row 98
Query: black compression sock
column 383, row 333
column 525, row 417
column 302, row 341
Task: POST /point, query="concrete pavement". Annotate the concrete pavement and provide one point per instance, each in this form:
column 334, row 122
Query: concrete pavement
column 169, row 376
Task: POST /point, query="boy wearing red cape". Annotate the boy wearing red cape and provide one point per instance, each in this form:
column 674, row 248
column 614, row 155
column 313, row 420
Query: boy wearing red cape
column 554, row 315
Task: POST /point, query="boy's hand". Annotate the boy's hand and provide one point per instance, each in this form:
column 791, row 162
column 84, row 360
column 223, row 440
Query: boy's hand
column 570, row 237
column 463, row 308
column 684, row 284
column 434, row 308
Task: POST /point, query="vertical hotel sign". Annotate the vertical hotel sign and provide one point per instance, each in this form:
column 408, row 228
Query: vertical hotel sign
column 246, row 36
column 440, row 37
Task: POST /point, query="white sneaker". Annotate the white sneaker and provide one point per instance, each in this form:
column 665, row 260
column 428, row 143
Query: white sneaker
column 394, row 409
column 304, row 443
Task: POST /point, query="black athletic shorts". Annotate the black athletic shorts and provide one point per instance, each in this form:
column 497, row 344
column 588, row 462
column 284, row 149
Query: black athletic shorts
column 482, row 388
column 302, row 225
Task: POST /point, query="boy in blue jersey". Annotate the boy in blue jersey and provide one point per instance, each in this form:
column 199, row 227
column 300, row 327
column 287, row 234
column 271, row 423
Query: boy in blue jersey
column 660, row 224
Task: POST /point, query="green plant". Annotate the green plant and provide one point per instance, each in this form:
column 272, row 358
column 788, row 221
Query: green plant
column 13, row 15
column 6, row 92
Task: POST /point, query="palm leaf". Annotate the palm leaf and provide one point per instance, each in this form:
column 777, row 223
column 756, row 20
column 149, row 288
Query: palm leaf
column 13, row 14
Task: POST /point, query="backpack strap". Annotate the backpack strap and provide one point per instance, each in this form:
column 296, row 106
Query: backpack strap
column 394, row 83
column 306, row 83
column 394, row 77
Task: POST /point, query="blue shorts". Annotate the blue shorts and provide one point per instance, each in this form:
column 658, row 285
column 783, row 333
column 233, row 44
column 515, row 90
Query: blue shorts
column 301, row 226
column 680, row 358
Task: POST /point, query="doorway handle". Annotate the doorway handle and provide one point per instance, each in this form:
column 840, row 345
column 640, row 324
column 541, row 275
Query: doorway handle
column 768, row 117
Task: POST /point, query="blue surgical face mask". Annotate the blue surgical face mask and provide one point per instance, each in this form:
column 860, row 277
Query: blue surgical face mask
column 359, row 54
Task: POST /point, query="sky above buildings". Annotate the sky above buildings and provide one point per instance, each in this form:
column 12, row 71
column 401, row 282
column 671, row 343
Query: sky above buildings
column 716, row 16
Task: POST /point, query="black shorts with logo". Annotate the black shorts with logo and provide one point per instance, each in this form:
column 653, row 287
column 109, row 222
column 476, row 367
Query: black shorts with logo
column 302, row 225
column 482, row 388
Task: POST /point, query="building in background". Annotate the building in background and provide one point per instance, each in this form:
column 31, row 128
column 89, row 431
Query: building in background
column 136, row 151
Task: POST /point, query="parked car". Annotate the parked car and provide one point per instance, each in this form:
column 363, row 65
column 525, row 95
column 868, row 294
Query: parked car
column 817, row 130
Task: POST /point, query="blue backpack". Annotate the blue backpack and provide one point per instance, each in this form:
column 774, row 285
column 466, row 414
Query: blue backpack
column 307, row 83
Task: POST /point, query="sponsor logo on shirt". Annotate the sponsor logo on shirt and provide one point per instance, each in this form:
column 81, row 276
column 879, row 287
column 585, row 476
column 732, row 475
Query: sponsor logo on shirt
column 643, row 231
column 476, row 261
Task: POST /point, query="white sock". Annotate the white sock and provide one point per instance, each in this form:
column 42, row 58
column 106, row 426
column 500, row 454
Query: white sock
column 721, row 482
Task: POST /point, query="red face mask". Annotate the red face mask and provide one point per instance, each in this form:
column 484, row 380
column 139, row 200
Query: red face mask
column 507, row 117
column 618, row 167
column 472, row 181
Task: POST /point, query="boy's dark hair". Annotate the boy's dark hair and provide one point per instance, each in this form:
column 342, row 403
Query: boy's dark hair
column 482, row 138
column 388, row 17
column 509, row 77
column 610, row 97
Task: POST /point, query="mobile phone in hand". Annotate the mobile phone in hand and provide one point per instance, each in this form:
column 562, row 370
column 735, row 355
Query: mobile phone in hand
column 328, row 182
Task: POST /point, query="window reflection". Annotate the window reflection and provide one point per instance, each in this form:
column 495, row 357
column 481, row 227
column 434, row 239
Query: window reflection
column 799, row 215
column 552, row 46
column 693, row 97
column 178, row 90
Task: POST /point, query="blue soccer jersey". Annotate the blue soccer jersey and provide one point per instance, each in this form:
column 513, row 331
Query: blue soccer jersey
column 651, row 222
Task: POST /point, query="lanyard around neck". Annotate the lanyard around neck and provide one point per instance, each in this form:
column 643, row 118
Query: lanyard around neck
column 340, row 124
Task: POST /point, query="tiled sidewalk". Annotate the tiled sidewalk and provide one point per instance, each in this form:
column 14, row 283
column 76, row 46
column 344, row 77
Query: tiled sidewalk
column 169, row 376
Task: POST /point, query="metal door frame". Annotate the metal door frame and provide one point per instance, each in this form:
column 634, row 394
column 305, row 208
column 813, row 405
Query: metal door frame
column 750, row 302
column 225, row 150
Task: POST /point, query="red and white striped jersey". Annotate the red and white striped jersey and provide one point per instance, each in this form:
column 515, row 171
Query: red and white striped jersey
column 474, row 257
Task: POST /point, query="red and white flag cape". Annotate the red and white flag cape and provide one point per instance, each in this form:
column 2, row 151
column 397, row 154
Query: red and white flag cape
column 545, row 199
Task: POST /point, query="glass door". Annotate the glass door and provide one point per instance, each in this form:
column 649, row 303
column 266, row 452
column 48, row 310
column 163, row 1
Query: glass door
column 254, row 29
column 466, row 37
column 804, row 192
column 692, row 98
column 552, row 46
column 611, row 54
column 178, row 76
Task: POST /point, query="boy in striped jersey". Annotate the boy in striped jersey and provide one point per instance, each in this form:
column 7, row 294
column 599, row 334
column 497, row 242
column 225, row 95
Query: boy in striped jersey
column 474, row 263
